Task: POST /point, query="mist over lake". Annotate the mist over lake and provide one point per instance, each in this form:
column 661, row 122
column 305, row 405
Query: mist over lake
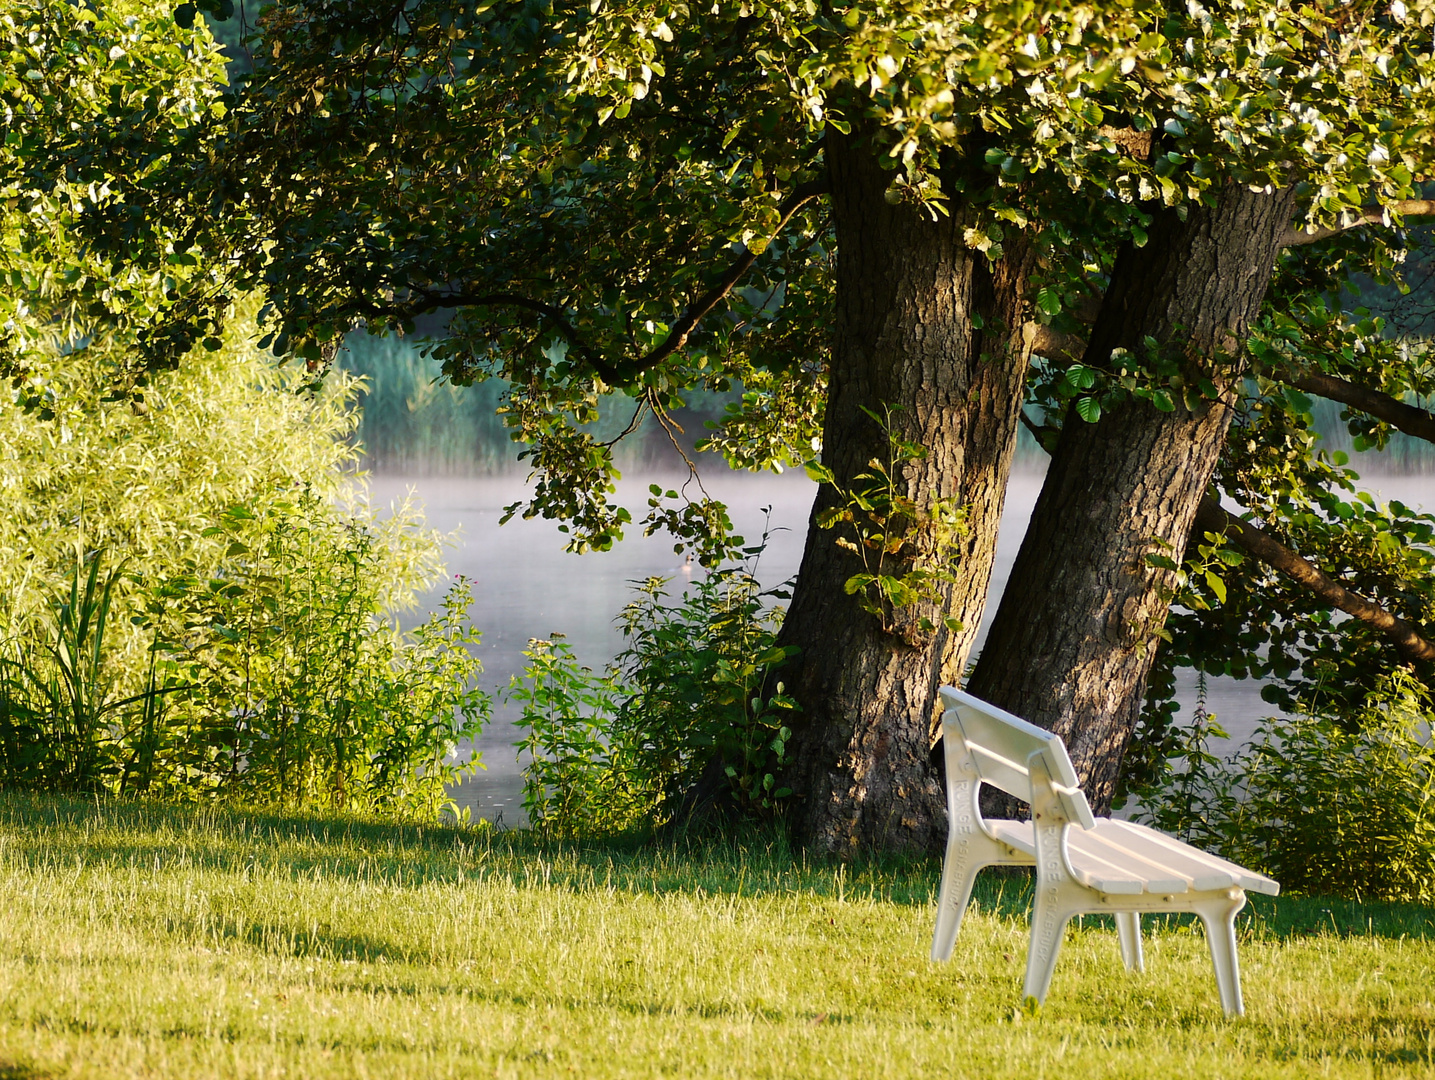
column 526, row 586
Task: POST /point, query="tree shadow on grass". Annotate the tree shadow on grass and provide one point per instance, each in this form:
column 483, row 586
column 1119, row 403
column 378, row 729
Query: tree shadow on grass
column 746, row 860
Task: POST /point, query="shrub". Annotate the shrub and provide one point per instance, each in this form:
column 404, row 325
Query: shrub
column 1320, row 807
column 189, row 607
column 303, row 692
column 277, row 681
column 147, row 479
column 579, row 781
column 683, row 715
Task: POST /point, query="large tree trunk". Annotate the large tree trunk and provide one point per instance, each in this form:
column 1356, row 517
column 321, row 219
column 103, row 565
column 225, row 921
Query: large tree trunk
column 907, row 288
column 1073, row 640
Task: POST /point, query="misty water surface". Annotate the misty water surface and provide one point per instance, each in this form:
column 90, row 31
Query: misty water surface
column 526, row 586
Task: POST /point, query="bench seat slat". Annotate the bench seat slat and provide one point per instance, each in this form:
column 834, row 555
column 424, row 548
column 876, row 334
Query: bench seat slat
column 1161, row 871
column 1206, row 868
column 1123, row 858
column 1100, row 867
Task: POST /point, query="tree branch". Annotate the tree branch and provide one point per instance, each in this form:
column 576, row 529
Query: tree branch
column 465, row 298
column 1410, row 419
column 1042, row 435
column 614, row 374
column 1370, row 215
column 1214, row 518
column 678, row 336
column 1407, row 418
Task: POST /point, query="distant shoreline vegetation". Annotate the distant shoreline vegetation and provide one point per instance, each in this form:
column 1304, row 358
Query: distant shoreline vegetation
column 415, row 425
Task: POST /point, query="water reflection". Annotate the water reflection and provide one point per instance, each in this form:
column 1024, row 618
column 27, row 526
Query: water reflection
column 526, row 586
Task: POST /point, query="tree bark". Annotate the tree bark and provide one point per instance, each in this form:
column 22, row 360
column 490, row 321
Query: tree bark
column 1073, row 640
column 1410, row 419
column 907, row 288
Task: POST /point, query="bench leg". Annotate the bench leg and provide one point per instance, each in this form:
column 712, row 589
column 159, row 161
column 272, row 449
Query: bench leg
column 969, row 849
column 1128, row 931
column 1219, row 919
column 958, row 876
column 1048, row 926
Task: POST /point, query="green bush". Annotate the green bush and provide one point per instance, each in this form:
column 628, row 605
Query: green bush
column 147, row 479
column 195, row 602
column 1321, row 807
column 303, row 692
column 579, row 780
column 683, row 716
column 277, row 683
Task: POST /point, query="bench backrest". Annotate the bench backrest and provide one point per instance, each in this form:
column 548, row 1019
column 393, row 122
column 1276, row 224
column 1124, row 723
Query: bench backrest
column 1001, row 748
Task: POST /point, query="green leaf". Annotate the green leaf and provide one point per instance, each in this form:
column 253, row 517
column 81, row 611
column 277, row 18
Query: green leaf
column 815, row 470
column 1217, row 586
column 857, row 582
column 1089, row 409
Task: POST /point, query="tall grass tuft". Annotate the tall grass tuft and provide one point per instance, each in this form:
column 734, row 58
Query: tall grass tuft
column 58, row 692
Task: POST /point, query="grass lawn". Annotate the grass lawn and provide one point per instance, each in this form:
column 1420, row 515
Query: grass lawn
column 141, row 940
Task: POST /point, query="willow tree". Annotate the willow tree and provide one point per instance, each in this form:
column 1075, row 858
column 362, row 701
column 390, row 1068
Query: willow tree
column 860, row 211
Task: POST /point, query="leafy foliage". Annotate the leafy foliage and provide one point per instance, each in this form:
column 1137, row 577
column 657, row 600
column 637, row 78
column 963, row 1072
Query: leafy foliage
column 698, row 673
column 587, row 186
column 685, row 716
column 147, row 480
column 303, row 693
column 907, row 549
column 117, row 92
column 275, row 683
column 188, row 607
column 58, row 699
column 1324, row 809
column 577, row 782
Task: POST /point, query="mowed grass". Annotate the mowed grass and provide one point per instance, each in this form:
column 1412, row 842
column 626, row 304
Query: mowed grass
column 143, row 940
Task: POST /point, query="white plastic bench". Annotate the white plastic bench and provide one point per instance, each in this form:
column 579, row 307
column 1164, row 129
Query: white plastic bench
column 1083, row 864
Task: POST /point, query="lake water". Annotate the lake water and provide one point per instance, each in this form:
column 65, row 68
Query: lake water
column 527, row 586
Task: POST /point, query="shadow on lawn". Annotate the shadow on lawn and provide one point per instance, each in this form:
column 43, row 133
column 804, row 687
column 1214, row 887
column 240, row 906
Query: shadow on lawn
column 748, row 860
